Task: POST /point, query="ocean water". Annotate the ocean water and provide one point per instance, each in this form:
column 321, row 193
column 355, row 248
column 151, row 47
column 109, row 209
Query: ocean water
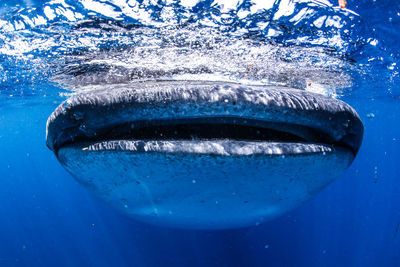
column 49, row 49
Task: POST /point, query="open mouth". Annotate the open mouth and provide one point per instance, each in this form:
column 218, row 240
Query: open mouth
column 216, row 135
column 204, row 118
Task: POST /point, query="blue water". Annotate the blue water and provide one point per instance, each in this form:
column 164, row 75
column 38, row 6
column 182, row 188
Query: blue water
column 48, row 219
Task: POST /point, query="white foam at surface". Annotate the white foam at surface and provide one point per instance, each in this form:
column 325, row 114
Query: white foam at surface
column 262, row 5
column 286, row 8
column 189, row 3
column 226, row 5
column 102, row 8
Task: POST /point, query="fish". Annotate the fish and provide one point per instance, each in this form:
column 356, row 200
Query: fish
column 203, row 154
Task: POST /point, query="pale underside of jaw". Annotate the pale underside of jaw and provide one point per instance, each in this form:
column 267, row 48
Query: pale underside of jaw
column 233, row 186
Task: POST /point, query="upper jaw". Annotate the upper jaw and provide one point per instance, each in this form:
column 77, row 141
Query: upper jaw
column 92, row 115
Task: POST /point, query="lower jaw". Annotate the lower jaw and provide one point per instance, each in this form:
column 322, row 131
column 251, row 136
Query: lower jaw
column 209, row 184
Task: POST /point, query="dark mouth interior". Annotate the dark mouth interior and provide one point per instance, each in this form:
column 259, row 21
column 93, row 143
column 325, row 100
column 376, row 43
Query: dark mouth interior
column 211, row 129
column 206, row 131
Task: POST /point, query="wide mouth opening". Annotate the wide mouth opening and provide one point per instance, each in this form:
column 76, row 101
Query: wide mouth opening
column 208, row 131
column 214, row 128
column 198, row 113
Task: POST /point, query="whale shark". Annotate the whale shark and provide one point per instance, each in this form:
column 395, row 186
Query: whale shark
column 203, row 154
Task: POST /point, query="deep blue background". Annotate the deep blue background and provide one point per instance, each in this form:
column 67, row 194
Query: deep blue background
column 47, row 219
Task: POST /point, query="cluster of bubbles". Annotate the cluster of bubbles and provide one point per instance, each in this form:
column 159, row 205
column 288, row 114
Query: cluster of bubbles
column 303, row 44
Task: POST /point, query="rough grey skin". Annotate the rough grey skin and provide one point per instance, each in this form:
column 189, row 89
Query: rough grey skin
column 203, row 155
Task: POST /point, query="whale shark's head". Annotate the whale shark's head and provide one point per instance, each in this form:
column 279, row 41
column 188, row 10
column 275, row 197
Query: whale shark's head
column 196, row 127
column 203, row 154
